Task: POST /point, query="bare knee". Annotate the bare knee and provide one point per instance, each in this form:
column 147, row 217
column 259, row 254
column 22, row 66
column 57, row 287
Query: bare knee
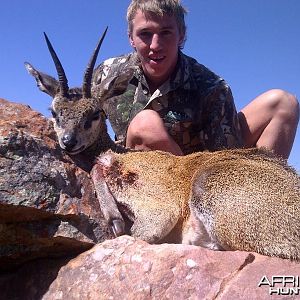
column 144, row 122
column 143, row 128
column 147, row 132
column 270, row 121
column 283, row 103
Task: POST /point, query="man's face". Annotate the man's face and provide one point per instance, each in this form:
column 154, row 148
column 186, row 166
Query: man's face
column 156, row 40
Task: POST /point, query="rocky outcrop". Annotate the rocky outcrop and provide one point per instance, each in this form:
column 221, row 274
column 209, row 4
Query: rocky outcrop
column 132, row 269
column 54, row 243
column 47, row 202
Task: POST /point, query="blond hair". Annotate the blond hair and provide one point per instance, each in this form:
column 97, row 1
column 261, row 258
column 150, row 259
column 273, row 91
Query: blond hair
column 160, row 8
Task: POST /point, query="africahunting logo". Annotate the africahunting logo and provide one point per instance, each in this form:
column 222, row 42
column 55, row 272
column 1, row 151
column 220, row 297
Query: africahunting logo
column 285, row 285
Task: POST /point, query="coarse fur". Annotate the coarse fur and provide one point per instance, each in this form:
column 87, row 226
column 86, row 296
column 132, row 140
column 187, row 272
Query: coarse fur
column 245, row 199
column 241, row 199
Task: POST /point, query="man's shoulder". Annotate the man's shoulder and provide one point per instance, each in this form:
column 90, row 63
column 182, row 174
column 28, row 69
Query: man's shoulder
column 113, row 66
column 119, row 60
column 202, row 75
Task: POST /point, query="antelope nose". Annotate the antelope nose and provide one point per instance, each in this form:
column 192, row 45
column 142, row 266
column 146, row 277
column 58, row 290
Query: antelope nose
column 69, row 140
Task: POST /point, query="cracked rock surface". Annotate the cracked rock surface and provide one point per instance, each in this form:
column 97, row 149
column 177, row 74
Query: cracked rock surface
column 130, row 268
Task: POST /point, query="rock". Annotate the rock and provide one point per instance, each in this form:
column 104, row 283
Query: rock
column 132, row 269
column 47, row 201
column 31, row 280
column 54, row 243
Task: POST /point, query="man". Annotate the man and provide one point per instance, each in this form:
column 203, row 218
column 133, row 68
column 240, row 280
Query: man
column 173, row 103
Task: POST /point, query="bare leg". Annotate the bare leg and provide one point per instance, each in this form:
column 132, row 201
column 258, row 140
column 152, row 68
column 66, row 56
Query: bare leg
column 147, row 132
column 270, row 121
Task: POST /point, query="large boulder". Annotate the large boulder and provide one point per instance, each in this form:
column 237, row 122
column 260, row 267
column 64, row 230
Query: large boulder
column 132, row 269
column 47, row 202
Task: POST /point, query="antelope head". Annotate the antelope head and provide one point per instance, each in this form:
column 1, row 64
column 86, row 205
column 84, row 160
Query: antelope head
column 79, row 120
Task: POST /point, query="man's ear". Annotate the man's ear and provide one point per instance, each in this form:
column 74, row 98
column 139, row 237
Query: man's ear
column 131, row 40
column 181, row 39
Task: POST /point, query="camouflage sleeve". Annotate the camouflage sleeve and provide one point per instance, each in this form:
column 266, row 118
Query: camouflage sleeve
column 101, row 71
column 97, row 75
column 223, row 130
column 108, row 68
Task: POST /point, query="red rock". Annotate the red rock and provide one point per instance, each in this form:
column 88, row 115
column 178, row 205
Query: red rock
column 47, row 201
column 132, row 269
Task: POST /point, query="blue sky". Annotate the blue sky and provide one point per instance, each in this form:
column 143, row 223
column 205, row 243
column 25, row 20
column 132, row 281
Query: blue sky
column 254, row 45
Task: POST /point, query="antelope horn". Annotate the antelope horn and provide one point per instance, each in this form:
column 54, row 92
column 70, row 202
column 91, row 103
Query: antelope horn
column 63, row 81
column 87, row 80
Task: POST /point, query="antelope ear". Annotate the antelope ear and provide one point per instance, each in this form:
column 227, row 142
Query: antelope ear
column 116, row 85
column 45, row 83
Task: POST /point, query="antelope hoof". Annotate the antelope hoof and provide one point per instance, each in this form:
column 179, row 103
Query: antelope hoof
column 118, row 227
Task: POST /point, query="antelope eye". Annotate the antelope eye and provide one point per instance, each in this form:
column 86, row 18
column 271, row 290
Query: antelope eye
column 88, row 124
column 96, row 115
column 53, row 113
column 55, row 117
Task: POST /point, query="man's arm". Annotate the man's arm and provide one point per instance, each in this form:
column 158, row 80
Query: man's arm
column 222, row 129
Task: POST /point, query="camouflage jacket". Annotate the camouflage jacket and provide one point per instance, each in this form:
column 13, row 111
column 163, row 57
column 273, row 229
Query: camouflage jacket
column 195, row 104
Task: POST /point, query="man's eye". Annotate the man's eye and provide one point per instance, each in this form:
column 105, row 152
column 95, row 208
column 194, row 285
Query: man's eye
column 166, row 32
column 145, row 34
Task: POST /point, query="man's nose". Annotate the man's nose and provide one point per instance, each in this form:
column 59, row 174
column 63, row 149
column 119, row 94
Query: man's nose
column 156, row 42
